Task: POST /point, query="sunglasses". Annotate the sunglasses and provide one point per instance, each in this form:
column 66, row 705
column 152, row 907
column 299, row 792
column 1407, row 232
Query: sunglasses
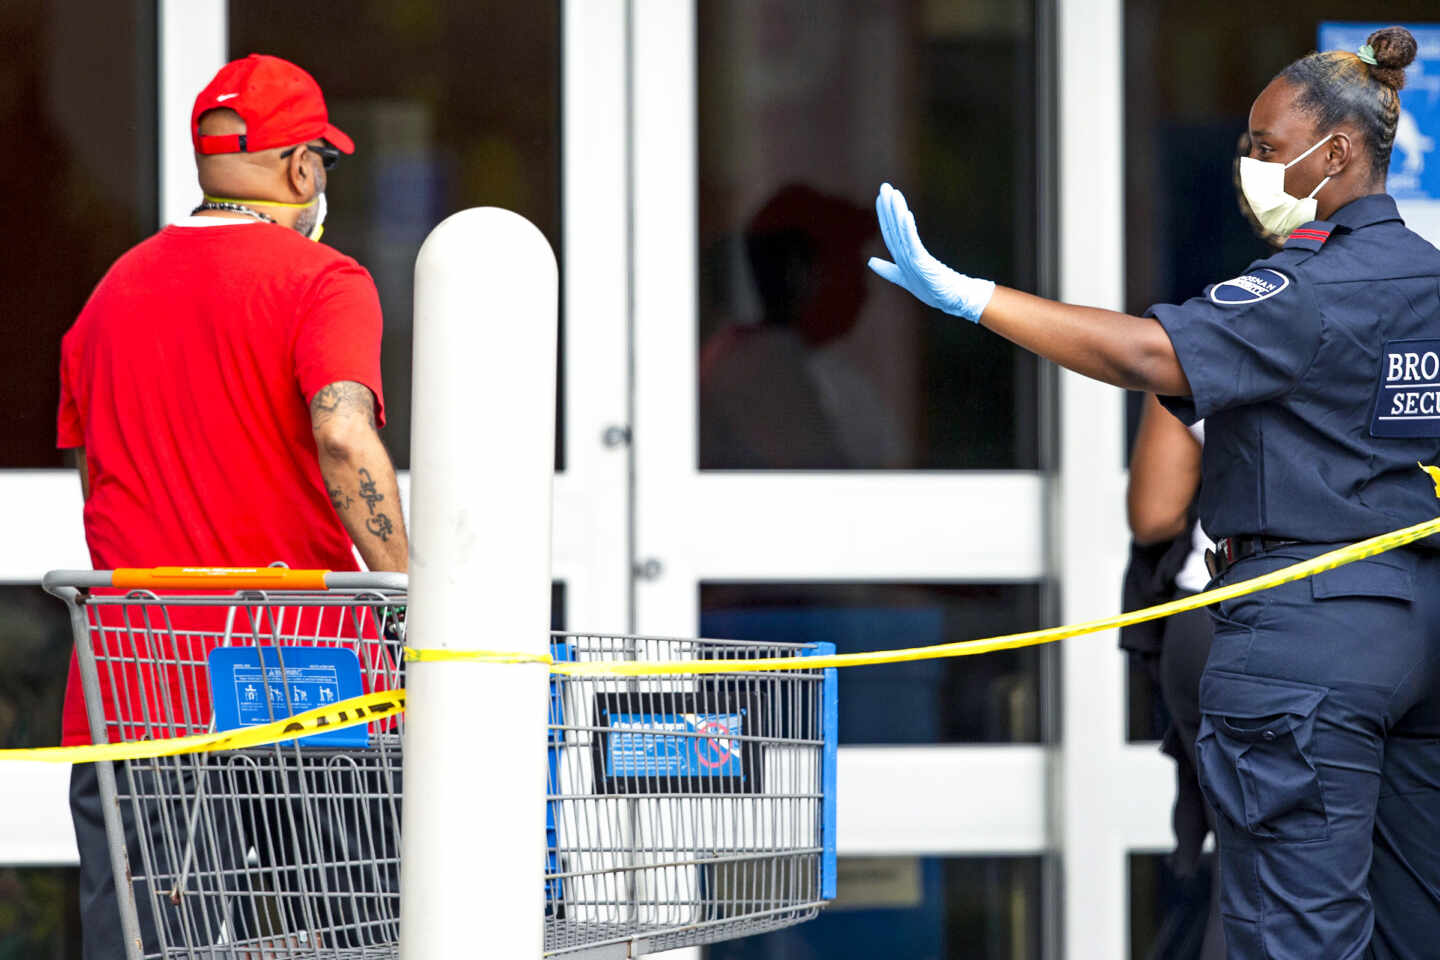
column 328, row 154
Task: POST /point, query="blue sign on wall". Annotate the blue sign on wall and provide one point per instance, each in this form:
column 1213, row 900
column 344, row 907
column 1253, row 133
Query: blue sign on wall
column 1415, row 163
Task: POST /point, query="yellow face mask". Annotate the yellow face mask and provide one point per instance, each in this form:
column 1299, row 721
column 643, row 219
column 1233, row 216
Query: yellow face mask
column 316, row 232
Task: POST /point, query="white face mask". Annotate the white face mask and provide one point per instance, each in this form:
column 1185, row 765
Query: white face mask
column 1263, row 183
column 311, row 222
column 317, row 231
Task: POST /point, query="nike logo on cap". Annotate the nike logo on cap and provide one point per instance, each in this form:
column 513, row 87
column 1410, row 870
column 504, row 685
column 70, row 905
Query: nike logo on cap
column 226, row 96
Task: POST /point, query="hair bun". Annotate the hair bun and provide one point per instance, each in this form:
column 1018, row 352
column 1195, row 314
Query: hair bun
column 1395, row 49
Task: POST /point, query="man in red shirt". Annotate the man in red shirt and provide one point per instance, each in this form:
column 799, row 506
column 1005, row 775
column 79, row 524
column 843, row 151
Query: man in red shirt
column 221, row 388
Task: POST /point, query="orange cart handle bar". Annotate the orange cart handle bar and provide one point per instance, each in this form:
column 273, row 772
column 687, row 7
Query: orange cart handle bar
column 225, row 578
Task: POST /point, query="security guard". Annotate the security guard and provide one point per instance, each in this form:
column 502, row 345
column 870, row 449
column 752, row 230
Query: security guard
column 1318, row 374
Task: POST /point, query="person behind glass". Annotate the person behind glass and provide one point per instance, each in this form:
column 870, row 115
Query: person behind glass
column 221, row 393
column 1167, row 562
column 780, row 393
column 1316, row 373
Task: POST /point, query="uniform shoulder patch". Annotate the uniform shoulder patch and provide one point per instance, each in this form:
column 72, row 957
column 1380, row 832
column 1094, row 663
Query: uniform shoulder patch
column 1259, row 284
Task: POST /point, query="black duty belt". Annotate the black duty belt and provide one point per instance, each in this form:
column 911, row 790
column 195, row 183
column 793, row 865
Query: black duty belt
column 1231, row 550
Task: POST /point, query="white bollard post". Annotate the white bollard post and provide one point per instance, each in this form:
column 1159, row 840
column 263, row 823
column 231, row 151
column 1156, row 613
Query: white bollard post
column 482, row 464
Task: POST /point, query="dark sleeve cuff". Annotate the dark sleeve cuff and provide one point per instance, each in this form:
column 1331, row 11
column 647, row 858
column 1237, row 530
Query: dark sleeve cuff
column 1182, row 407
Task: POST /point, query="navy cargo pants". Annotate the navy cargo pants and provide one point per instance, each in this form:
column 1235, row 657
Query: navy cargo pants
column 1319, row 749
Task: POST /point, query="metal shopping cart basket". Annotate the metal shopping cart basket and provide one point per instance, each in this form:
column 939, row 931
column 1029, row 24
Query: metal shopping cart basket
column 286, row 850
column 686, row 809
column 681, row 809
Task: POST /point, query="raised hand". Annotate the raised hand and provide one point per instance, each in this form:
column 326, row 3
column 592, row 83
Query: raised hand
column 929, row 280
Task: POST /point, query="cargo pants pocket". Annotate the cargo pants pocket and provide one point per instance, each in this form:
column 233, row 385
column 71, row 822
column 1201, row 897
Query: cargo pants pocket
column 1255, row 751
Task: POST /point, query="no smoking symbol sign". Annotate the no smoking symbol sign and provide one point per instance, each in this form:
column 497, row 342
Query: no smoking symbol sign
column 715, row 747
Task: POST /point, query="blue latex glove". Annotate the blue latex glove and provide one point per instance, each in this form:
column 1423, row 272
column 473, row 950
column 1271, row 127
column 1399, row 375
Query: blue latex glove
column 916, row 270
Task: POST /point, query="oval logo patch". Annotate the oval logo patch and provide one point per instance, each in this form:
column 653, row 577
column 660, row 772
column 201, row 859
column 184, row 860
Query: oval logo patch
column 1251, row 288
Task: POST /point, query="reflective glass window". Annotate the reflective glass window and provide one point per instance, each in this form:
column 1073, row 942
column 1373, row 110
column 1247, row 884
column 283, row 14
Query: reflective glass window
column 452, row 104
column 35, row 645
column 1168, row 912
column 39, row 913
column 39, row 906
column 989, row 699
column 807, row 360
column 80, row 186
column 916, row 908
column 557, row 605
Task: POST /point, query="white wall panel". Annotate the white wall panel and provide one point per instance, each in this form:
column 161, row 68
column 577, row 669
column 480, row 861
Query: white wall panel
column 193, row 39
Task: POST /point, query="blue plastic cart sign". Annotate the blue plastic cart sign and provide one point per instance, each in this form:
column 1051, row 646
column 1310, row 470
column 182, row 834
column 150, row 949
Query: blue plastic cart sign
column 1414, row 179
column 247, row 692
column 674, row 745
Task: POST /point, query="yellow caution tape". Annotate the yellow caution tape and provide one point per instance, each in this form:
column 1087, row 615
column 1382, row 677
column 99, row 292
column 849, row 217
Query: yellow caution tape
column 336, row 716
column 379, row 705
column 963, row 648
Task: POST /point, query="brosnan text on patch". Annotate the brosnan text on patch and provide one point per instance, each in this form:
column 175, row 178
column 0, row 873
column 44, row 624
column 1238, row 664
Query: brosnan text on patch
column 1407, row 396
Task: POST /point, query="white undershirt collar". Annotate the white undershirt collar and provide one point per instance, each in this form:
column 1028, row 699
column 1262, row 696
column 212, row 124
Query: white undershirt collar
column 198, row 221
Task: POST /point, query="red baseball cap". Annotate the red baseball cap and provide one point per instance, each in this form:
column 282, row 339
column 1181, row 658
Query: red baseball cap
column 280, row 104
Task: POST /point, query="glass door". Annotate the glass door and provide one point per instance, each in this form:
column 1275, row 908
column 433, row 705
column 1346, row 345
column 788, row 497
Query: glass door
column 80, row 207
column 557, row 75
column 817, row 456
column 474, row 108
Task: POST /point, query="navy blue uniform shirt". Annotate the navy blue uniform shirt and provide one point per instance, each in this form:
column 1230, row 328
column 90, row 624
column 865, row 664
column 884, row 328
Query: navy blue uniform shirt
column 1317, row 373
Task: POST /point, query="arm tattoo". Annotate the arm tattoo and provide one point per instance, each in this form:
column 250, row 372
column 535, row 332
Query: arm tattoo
column 368, row 493
column 339, row 499
column 344, row 398
column 326, row 401
column 380, row 526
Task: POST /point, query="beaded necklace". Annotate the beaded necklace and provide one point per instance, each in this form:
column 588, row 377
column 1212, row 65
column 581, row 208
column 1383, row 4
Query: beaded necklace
column 232, row 208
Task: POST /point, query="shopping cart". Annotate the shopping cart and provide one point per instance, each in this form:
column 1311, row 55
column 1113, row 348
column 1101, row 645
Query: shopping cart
column 681, row 809
column 286, row 850
column 686, row 809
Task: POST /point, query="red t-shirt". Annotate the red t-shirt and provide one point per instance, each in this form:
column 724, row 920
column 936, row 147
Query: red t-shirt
column 188, row 379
